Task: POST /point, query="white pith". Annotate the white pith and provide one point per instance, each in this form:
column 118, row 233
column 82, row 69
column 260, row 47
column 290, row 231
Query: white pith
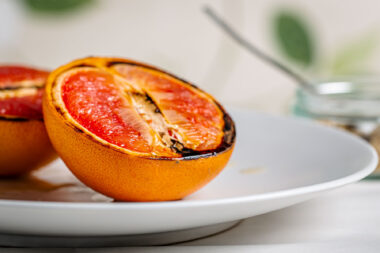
column 21, row 92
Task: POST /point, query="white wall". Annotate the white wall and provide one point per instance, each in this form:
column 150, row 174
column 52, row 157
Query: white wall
column 175, row 35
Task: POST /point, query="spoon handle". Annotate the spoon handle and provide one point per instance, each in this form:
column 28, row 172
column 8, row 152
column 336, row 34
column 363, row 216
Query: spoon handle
column 255, row 51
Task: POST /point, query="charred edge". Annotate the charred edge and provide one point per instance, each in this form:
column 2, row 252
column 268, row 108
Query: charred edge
column 110, row 64
column 58, row 109
column 78, row 130
column 147, row 99
column 83, row 65
column 228, row 129
column 180, row 149
column 18, row 119
column 228, row 140
column 150, row 100
column 6, row 88
column 229, row 133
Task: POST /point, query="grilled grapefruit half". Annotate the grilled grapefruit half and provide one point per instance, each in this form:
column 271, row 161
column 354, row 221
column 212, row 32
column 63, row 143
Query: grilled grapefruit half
column 134, row 132
column 24, row 144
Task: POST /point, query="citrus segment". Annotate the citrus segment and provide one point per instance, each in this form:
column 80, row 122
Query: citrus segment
column 196, row 118
column 96, row 101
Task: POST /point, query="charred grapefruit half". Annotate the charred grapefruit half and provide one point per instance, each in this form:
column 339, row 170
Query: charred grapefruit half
column 24, row 144
column 134, row 132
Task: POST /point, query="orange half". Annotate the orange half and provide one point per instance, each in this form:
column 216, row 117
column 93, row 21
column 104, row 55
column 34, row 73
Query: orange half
column 24, row 144
column 153, row 136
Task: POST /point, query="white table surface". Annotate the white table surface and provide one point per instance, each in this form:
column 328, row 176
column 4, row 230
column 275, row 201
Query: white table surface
column 343, row 220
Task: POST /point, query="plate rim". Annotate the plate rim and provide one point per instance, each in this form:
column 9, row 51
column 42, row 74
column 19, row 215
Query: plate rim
column 291, row 192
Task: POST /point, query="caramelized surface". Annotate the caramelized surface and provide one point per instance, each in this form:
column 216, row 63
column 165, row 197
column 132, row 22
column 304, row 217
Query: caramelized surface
column 97, row 102
column 18, row 76
column 21, row 91
column 142, row 110
column 28, row 106
column 197, row 119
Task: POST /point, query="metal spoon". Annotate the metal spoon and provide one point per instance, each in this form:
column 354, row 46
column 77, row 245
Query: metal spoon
column 301, row 80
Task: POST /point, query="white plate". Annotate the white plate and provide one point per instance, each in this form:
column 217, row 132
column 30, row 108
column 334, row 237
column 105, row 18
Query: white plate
column 277, row 162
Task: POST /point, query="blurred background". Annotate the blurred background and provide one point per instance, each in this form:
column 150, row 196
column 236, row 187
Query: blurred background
column 320, row 39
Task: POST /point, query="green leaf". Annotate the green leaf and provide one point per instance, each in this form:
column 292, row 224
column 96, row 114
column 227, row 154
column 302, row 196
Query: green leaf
column 293, row 38
column 54, row 5
column 353, row 57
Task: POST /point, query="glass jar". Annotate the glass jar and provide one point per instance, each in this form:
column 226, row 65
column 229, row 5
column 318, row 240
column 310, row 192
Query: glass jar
column 352, row 104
